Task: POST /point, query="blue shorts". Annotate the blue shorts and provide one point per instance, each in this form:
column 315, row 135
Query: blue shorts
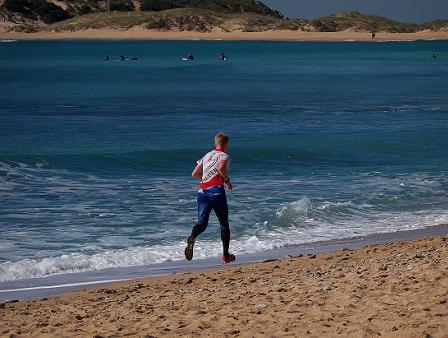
column 213, row 199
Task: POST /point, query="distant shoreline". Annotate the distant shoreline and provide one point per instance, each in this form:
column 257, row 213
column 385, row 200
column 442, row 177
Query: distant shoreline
column 142, row 34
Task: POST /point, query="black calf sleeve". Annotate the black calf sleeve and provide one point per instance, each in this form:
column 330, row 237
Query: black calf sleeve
column 225, row 237
column 198, row 229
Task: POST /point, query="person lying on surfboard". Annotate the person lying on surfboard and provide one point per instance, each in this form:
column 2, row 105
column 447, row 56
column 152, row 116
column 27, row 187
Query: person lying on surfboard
column 212, row 170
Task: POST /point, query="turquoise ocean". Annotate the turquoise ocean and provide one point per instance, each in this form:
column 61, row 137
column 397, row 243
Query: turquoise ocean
column 328, row 141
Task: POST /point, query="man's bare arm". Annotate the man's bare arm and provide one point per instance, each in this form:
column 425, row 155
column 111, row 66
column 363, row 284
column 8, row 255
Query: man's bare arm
column 222, row 168
column 197, row 172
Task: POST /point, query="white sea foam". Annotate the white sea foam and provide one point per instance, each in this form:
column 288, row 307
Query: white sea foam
column 335, row 205
column 295, row 211
column 261, row 239
column 77, row 262
column 90, row 225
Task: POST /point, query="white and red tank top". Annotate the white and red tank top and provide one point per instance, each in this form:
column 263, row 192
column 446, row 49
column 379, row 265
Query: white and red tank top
column 210, row 174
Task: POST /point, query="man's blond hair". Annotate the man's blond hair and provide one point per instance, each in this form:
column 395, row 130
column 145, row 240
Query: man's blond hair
column 221, row 139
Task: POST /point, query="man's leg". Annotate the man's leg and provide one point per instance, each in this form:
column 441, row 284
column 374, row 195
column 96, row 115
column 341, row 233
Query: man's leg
column 204, row 209
column 222, row 212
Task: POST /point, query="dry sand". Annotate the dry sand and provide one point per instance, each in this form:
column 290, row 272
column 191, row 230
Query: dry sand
column 143, row 34
column 392, row 290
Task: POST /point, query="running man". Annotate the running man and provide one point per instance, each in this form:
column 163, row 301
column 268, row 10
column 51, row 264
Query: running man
column 212, row 171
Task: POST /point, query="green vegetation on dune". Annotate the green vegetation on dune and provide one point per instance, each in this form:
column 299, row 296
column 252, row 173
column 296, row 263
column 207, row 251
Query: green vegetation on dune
column 436, row 25
column 295, row 25
column 184, row 19
column 42, row 10
column 48, row 12
column 122, row 5
column 151, row 20
column 360, row 22
column 222, row 6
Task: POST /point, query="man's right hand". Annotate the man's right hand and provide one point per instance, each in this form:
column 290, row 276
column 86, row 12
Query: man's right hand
column 229, row 185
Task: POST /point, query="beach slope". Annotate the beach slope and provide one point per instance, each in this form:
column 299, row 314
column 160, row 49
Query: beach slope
column 390, row 290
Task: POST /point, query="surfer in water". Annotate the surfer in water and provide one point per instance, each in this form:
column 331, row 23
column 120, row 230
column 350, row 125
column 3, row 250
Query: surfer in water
column 190, row 57
column 213, row 172
column 222, row 56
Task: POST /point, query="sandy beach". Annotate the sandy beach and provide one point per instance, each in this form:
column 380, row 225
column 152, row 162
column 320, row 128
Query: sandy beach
column 392, row 290
column 138, row 33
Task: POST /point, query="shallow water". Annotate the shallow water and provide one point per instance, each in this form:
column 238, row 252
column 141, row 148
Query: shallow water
column 328, row 140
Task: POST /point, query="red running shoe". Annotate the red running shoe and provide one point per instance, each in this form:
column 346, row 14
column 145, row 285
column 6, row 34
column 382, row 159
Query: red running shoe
column 228, row 259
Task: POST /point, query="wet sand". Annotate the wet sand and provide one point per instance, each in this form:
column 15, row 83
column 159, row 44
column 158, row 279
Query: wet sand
column 138, row 33
column 392, row 290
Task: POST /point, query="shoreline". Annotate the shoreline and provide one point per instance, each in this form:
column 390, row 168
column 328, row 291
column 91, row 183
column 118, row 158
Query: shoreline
column 142, row 34
column 395, row 289
column 60, row 284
